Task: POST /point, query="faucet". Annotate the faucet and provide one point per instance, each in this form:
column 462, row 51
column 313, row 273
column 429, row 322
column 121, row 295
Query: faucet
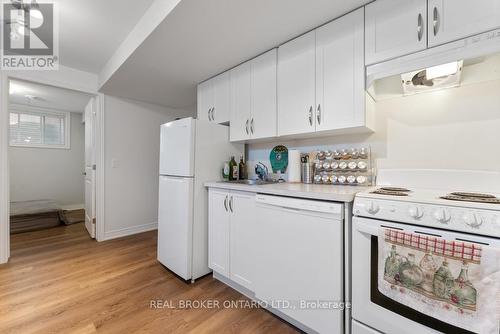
column 261, row 171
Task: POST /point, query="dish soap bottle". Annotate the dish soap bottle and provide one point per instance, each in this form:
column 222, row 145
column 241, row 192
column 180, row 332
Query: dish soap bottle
column 233, row 170
column 242, row 169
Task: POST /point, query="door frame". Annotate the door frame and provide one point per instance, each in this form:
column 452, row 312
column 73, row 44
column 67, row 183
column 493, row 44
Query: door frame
column 5, row 77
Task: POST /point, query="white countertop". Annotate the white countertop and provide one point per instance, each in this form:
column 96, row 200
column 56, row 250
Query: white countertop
column 310, row 191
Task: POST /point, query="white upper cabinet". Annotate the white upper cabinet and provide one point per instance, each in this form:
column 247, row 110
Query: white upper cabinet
column 205, row 100
column 449, row 20
column 264, row 108
column 340, row 84
column 214, row 99
column 241, row 87
column 222, row 98
column 296, row 85
column 395, row 28
column 253, row 98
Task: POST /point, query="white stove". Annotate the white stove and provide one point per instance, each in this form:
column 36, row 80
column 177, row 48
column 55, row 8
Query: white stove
column 414, row 203
column 417, row 208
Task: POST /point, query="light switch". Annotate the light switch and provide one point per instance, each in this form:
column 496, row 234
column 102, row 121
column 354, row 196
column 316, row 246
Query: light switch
column 114, row 163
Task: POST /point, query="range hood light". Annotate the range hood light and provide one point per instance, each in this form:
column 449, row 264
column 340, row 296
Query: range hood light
column 442, row 70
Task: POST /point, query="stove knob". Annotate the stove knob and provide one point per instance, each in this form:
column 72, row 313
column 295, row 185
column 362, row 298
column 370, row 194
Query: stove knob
column 473, row 219
column 415, row 212
column 372, row 208
column 442, row 216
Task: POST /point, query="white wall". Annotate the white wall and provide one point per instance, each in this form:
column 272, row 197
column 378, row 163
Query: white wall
column 42, row 173
column 457, row 128
column 131, row 149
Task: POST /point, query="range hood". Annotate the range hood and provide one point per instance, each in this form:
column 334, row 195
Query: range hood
column 472, row 47
column 433, row 78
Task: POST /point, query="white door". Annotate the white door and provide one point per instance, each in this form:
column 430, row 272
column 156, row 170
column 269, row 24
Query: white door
column 89, row 173
column 220, row 113
column 218, row 231
column 242, row 238
column 177, row 148
column 296, row 80
column 240, row 102
column 394, row 28
column 205, row 100
column 449, row 20
column 340, row 73
column 264, row 109
column 175, row 224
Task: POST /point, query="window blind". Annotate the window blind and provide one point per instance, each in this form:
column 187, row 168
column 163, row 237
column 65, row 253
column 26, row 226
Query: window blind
column 38, row 129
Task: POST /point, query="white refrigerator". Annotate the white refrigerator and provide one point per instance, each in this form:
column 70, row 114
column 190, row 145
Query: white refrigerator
column 192, row 152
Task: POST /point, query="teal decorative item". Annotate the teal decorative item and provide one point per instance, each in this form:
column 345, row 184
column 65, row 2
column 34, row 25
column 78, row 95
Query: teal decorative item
column 279, row 159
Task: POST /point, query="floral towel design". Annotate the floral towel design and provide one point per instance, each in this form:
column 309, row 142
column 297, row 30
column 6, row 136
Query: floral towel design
column 456, row 282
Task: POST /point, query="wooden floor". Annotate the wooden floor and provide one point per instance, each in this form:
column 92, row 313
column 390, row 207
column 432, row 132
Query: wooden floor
column 61, row 281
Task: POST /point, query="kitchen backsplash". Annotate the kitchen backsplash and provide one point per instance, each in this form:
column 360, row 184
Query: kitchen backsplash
column 436, row 130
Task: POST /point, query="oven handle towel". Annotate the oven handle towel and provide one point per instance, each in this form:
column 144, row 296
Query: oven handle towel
column 454, row 281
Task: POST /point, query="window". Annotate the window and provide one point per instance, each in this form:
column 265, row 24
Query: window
column 37, row 128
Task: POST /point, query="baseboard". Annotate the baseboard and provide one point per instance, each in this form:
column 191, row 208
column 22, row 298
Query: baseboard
column 129, row 231
column 71, row 207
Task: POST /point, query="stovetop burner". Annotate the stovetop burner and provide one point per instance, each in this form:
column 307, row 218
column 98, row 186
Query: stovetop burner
column 395, row 189
column 472, row 197
column 383, row 191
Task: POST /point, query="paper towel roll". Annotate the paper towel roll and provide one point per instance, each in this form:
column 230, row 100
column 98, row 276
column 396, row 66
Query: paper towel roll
column 293, row 166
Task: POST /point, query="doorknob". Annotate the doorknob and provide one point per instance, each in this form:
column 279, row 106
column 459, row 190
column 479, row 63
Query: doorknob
column 84, row 174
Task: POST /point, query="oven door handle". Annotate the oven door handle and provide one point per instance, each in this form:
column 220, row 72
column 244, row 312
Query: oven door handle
column 372, row 228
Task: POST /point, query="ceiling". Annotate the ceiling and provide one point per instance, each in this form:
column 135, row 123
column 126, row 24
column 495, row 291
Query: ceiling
column 46, row 96
column 91, row 30
column 199, row 39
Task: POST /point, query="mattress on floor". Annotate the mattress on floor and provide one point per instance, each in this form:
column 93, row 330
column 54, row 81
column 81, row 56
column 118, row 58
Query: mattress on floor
column 28, row 216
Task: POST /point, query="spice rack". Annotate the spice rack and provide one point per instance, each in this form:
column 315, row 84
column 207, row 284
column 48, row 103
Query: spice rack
column 351, row 166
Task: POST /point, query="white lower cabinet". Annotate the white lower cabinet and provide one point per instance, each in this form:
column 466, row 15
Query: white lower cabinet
column 231, row 237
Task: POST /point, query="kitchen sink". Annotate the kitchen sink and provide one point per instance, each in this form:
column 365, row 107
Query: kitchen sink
column 252, row 182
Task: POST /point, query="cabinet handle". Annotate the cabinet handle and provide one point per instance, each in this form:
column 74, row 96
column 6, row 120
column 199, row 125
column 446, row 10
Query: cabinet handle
column 208, row 113
column 318, row 114
column 251, row 126
column 311, row 115
column 225, row 203
column 213, row 113
column 246, row 127
column 435, row 20
column 231, row 204
column 420, row 27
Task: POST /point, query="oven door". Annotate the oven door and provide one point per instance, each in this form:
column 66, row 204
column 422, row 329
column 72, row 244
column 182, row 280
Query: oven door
column 374, row 309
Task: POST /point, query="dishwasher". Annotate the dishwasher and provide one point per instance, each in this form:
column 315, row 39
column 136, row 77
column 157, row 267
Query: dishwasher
column 300, row 260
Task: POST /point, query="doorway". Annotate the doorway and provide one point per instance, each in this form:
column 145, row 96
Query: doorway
column 43, row 124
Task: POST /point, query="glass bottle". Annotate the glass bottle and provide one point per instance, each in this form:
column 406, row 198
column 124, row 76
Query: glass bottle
column 464, row 292
column 429, row 268
column 392, row 265
column 409, row 273
column 443, row 282
column 242, row 169
column 233, row 170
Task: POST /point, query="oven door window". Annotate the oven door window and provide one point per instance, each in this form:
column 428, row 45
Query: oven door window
column 398, row 308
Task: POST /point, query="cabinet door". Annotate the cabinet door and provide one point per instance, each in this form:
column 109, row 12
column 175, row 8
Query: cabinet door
column 218, row 230
column 240, row 102
column 449, row 20
column 264, row 110
column 340, row 73
column 205, row 100
column 222, row 98
column 394, row 28
column 242, row 239
column 296, row 80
